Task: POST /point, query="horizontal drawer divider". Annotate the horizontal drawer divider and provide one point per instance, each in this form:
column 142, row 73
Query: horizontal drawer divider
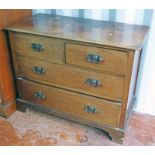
column 46, row 84
column 78, row 67
column 76, row 79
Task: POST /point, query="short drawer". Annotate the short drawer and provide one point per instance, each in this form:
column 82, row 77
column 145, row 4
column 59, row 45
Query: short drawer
column 81, row 106
column 96, row 58
column 76, row 79
column 48, row 49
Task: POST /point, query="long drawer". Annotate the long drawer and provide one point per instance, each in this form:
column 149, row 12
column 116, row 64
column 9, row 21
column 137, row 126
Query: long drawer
column 44, row 48
column 84, row 81
column 97, row 58
column 82, row 106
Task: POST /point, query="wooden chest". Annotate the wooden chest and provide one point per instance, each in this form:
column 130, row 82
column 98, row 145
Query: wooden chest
column 81, row 69
column 7, row 88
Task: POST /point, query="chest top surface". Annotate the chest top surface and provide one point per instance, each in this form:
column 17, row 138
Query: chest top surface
column 107, row 33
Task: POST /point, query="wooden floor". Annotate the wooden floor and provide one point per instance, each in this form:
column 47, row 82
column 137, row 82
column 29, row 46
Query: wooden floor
column 35, row 128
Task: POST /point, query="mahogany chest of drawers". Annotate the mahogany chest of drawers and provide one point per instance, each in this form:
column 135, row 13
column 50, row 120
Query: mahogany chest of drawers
column 81, row 69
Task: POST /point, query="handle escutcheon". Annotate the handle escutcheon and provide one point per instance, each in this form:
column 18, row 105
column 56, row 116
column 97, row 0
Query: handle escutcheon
column 90, row 109
column 38, row 70
column 37, row 47
column 93, row 82
column 94, row 58
column 39, row 95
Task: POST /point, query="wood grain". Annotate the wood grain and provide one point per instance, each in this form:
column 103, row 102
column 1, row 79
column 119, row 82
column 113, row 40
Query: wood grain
column 72, row 78
column 7, row 88
column 108, row 112
column 9, row 16
column 85, row 30
column 53, row 49
column 67, row 42
column 127, row 89
column 113, row 61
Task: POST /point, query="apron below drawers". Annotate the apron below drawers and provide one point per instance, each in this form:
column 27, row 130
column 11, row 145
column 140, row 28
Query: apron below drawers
column 81, row 106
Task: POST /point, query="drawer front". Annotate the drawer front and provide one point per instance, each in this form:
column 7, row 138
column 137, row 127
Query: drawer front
column 93, row 83
column 96, row 58
column 82, row 106
column 44, row 48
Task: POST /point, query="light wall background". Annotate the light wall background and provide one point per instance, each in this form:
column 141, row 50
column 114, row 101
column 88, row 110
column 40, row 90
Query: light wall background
column 145, row 90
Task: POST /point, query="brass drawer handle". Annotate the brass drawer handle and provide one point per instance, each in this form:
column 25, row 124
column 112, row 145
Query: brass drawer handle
column 37, row 47
column 93, row 82
column 38, row 70
column 90, row 109
column 94, row 58
column 39, row 95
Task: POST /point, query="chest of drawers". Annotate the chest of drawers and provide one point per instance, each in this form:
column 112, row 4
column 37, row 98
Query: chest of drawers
column 80, row 69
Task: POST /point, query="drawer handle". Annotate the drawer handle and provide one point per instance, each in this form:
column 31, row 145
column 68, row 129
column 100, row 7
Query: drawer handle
column 38, row 70
column 94, row 58
column 37, row 47
column 39, row 95
column 90, row 109
column 93, row 82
